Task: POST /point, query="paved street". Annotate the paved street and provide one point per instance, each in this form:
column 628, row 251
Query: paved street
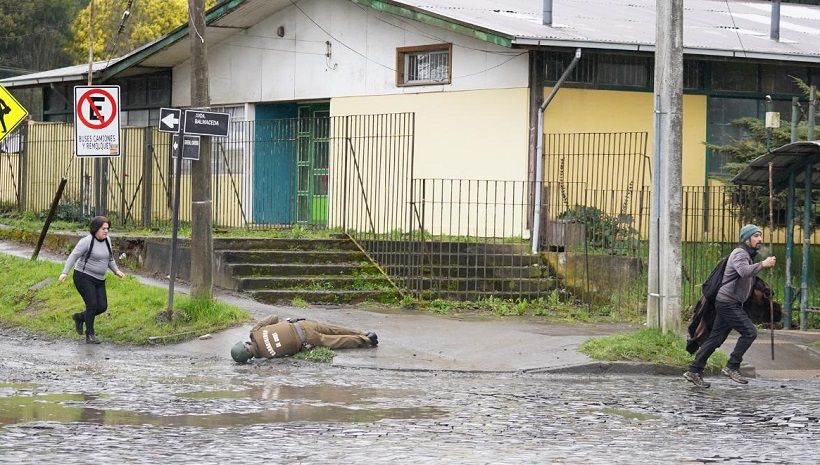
column 109, row 404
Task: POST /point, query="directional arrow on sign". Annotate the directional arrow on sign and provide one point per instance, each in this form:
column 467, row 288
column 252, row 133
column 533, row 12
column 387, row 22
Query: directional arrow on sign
column 169, row 119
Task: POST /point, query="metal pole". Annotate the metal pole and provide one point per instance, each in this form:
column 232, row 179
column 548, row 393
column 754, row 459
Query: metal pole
column 807, row 206
column 653, row 305
column 177, row 152
column 788, row 294
column 539, row 151
column 769, row 111
column 771, row 228
column 775, row 26
column 789, row 289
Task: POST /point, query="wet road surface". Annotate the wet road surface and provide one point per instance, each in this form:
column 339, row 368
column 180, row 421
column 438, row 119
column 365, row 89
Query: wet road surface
column 62, row 401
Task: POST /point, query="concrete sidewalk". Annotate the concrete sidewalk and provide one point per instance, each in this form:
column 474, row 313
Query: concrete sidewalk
column 421, row 341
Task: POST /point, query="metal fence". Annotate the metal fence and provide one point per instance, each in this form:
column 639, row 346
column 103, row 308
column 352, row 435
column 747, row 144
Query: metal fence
column 445, row 237
column 319, row 172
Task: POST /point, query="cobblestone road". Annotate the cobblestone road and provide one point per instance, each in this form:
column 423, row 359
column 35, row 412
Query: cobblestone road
column 83, row 404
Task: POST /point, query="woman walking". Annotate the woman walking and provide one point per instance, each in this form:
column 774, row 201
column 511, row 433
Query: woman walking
column 91, row 259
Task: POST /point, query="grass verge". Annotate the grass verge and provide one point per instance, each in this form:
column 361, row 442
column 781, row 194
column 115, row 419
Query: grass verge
column 647, row 345
column 33, row 299
column 555, row 306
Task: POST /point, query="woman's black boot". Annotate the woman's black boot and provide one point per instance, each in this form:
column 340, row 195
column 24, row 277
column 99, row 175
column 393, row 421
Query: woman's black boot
column 91, row 339
column 79, row 319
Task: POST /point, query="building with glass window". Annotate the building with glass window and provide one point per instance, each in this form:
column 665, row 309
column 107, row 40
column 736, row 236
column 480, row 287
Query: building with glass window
column 471, row 72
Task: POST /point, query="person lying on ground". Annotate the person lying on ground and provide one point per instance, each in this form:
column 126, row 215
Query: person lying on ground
column 270, row 338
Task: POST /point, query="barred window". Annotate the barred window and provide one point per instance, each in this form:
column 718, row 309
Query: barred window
column 424, row 65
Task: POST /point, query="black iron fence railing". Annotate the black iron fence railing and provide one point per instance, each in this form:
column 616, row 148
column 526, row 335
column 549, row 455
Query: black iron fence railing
column 458, row 238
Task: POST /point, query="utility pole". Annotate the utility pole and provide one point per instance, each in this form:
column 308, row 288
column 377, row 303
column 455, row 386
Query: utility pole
column 664, row 278
column 201, row 172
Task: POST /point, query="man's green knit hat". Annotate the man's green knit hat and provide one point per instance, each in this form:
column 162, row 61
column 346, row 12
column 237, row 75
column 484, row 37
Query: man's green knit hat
column 748, row 231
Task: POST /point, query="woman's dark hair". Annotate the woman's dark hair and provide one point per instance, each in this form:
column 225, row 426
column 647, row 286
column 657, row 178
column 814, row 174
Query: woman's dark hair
column 97, row 222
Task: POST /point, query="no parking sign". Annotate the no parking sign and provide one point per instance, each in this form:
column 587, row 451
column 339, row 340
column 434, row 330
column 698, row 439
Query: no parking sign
column 97, row 121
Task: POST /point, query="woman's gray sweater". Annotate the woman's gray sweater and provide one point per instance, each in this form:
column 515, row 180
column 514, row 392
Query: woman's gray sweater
column 99, row 261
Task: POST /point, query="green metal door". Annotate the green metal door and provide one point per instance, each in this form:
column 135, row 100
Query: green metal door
column 312, row 164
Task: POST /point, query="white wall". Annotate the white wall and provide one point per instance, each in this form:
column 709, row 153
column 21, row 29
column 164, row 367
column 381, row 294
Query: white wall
column 255, row 65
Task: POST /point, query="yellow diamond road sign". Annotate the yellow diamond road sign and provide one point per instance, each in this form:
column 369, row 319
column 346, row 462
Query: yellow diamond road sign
column 11, row 113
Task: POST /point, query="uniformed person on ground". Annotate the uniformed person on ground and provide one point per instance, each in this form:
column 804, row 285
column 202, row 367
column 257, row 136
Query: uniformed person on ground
column 271, row 338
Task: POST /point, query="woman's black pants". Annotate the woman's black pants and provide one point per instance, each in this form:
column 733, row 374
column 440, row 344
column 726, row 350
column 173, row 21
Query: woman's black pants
column 92, row 290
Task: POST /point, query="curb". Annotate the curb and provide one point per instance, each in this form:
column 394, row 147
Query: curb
column 630, row 368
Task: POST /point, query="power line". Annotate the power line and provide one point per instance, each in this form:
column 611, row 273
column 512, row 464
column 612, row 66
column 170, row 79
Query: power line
column 734, row 25
column 125, row 15
column 389, row 67
column 339, row 41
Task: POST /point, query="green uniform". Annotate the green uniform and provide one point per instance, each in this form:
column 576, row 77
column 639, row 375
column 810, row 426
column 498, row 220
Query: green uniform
column 272, row 339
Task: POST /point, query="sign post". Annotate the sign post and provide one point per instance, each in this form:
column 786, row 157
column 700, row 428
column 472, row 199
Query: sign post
column 185, row 144
column 97, row 121
column 11, row 113
column 172, row 275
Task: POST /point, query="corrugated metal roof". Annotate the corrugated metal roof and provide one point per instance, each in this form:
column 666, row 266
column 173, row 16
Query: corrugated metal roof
column 713, row 27
column 67, row 74
column 789, row 158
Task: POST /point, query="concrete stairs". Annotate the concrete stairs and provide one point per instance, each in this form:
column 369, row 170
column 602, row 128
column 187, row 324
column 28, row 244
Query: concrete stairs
column 314, row 270
column 467, row 270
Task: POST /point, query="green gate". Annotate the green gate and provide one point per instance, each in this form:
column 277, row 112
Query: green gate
column 312, row 163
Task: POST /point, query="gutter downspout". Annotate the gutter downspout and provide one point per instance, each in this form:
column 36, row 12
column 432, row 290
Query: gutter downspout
column 539, row 152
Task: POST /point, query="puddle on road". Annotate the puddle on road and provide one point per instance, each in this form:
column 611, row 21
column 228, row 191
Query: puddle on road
column 324, row 393
column 62, row 408
column 14, row 387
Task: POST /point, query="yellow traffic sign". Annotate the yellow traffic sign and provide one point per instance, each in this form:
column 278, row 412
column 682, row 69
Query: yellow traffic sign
column 11, row 113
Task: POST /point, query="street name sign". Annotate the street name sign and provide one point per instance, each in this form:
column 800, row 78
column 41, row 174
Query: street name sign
column 190, row 147
column 206, row 123
column 97, row 121
column 11, row 113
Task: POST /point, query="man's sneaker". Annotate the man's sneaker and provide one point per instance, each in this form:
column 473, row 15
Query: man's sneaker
column 734, row 375
column 374, row 340
column 78, row 322
column 696, row 379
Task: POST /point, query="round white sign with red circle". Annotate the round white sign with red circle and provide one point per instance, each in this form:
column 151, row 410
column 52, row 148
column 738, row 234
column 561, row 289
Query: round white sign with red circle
column 97, row 121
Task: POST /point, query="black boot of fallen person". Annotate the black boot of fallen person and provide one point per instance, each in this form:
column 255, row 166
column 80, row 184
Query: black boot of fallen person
column 78, row 322
column 91, row 339
column 374, row 339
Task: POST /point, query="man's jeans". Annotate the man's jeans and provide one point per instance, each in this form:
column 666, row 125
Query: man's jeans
column 728, row 316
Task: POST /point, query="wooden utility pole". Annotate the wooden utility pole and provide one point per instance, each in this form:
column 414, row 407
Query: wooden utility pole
column 201, row 171
column 665, row 274
column 90, row 41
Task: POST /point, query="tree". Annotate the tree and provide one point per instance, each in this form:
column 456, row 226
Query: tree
column 148, row 20
column 35, row 34
column 752, row 202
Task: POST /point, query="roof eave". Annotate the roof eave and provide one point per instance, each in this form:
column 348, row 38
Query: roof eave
column 534, row 42
column 139, row 55
column 426, row 17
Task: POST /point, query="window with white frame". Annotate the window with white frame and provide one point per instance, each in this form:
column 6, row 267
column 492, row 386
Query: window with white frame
column 424, row 65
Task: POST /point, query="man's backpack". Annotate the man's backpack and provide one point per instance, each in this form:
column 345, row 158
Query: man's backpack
column 714, row 281
column 703, row 316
